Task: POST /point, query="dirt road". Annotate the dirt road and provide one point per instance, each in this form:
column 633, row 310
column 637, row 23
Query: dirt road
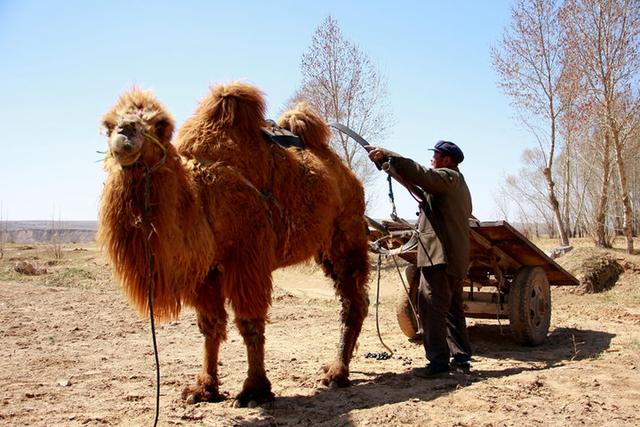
column 73, row 353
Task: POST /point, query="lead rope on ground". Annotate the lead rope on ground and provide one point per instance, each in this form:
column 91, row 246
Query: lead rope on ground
column 500, row 277
column 377, row 305
column 147, row 253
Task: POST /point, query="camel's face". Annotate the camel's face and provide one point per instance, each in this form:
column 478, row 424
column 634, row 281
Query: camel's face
column 138, row 127
column 127, row 139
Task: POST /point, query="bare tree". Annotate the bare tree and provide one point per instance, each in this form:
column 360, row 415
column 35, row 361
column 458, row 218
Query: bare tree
column 633, row 159
column 526, row 192
column 502, row 201
column 342, row 84
column 582, row 175
column 604, row 36
column 55, row 237
column 530, row 64
column 603, row 203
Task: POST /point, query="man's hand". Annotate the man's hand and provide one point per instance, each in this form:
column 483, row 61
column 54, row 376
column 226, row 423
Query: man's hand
column 379, row 156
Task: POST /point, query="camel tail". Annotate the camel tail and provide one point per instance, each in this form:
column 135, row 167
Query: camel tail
column 234, row 106
column 307, row 124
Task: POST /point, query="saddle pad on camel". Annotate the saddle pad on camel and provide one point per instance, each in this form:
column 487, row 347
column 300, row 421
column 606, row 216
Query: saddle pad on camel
column 282, row 137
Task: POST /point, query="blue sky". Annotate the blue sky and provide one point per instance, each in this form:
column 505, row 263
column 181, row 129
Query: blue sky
column 64, row 63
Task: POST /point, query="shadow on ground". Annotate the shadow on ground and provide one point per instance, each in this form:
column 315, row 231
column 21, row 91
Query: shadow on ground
column 562, row 345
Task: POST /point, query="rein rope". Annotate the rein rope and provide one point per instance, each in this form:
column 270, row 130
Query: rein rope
column 395, row 217
column 415, row 313
column 378, row 304
column 394, row 213
column 148, row 230
column 160, row 162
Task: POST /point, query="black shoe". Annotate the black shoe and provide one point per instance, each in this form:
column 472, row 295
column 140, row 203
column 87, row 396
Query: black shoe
column 431, row 372
column 461, row 368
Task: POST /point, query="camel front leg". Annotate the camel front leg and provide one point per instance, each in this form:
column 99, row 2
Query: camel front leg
column 256, row 388
column 213, row 327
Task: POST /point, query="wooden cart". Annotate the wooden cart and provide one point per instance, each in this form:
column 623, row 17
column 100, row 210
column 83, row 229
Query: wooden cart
column 508, row 277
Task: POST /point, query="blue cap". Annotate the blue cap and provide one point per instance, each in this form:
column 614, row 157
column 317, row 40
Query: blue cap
column 450, row 149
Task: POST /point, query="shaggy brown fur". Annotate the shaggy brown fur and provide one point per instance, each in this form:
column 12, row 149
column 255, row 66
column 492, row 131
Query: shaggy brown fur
column 228, row 208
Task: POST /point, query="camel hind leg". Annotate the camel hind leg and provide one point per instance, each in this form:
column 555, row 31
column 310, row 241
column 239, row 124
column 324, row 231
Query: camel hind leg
column 346, row 262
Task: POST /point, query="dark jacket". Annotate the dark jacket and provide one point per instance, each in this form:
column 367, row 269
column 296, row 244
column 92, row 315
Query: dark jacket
column 443, row 223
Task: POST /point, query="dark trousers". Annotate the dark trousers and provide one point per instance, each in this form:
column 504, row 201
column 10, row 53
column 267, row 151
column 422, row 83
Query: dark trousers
column 442, row 316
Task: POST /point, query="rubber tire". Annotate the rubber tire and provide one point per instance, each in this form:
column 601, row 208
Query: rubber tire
column 530, row 306
column 406, row 319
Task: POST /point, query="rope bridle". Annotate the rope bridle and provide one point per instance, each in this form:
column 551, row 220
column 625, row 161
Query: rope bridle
column 148, row 230
column 148, row 257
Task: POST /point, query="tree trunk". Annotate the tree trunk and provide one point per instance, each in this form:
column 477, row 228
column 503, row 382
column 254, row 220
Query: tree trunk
column 627, row 226
column 555, row 208
column 601, row 210
column 567, row 187
column 553, row 200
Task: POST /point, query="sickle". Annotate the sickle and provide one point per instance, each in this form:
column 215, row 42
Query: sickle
column 357, row 138
column 417, row 192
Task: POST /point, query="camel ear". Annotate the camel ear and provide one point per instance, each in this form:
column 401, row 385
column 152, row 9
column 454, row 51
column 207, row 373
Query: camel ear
column 164, row 130
column 107, row 128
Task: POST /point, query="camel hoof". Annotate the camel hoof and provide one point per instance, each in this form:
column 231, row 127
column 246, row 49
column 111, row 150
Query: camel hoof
column 336, row 376
column 253, row 398
column 193, row 395
column 192, row 399
column 336, row 383
column 251, row 404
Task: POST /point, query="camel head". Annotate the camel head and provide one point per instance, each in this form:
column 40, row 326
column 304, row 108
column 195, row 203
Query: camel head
column 139, row 128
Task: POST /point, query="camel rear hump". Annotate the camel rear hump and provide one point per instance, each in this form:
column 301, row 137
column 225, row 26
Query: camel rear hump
column 303, row 121
column 236, row 106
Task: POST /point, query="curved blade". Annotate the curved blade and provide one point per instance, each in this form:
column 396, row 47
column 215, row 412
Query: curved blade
column 357, row 138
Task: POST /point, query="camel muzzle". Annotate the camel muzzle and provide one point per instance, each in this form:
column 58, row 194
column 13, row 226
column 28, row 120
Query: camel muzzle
column 124, row 149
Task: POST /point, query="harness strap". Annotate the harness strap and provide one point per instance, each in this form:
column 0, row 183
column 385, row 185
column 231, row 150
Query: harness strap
column 281, row 136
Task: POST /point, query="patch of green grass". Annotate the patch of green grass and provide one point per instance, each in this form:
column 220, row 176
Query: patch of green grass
column 10, row 275
column 71, row 277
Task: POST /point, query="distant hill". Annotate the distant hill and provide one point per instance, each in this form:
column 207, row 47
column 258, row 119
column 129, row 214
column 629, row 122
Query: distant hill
column 48, row 231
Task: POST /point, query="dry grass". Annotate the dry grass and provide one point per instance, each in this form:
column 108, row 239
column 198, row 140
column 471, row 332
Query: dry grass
column 70, row 265
column 619, row 244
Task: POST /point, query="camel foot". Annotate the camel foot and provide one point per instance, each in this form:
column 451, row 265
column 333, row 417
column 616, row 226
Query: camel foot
column 196, row 394
column 206, row 390
column 254, row 393
column 336, row 374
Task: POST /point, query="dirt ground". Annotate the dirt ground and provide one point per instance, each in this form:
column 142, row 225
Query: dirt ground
column 73, row 353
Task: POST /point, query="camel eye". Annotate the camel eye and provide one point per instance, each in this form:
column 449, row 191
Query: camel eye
column 161, row 127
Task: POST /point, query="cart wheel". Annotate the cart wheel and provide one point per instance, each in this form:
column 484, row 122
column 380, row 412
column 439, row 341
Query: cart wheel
column 406, row 318
column 530, row 306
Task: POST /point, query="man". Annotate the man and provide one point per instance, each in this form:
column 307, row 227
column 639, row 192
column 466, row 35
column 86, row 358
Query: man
column 443, row 254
